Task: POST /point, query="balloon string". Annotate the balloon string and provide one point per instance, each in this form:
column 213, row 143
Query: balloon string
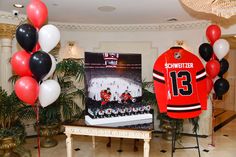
column 38, row 128
column 213, row 123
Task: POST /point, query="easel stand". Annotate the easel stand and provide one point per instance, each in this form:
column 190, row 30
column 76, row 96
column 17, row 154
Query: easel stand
column 174, row 132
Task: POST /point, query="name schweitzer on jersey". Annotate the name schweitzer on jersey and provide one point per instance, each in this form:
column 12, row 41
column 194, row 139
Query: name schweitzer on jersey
column 178, row 65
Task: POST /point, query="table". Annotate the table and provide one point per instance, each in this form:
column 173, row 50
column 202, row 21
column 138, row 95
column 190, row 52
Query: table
column 80, row 128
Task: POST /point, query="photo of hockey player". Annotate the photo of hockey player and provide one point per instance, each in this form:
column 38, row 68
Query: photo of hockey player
column 126, row 97
column 105, row 96
column 114, row 90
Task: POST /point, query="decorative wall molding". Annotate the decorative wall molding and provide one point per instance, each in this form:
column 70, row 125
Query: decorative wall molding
column 133, row 27
column 6, row 16
column 11, row 17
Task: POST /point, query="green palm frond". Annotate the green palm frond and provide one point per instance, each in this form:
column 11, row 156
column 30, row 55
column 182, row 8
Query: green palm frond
column 71, row 67
column 195, row 124
column 13, row 79
column 10, row 115
column 68, row 73
column 27, row 112
column 148, row 97
column 146, row 84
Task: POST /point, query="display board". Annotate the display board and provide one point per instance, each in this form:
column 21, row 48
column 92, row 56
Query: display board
column 114, row 90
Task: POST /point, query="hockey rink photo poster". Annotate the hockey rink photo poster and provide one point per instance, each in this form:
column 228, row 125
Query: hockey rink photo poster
column 114, row 91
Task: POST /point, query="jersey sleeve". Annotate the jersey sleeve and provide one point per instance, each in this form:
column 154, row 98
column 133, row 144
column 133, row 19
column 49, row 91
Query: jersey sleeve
column 201, row 85
column 160, row 87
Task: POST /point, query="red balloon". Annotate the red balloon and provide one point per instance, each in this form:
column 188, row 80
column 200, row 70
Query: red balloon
column 20, row 63
column 37, row 13
column 213, row 68
column 213, row 33
column 36, row 48
column 214, row 56
column 27, row 89
column 209, row 84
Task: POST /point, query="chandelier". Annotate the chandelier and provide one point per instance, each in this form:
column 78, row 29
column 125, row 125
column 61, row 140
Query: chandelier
column 222, row 8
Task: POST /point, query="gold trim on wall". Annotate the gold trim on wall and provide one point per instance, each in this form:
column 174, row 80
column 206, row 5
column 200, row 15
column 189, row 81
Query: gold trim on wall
column 7, row 30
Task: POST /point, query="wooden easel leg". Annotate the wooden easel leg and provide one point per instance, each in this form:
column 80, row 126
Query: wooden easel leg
column 172, row 144
column 173, row 139
column 198, row 147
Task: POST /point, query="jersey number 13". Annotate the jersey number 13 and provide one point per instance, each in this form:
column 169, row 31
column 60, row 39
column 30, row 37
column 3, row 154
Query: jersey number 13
column 183, row 79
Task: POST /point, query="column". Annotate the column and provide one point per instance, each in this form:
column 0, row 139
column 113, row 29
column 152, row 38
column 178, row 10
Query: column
column 6, row 35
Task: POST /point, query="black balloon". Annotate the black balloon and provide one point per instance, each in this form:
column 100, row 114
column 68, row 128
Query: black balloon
column 221, row 86
column 206, row 51
column 224, row 66
column 27, row 36
column 40, row 64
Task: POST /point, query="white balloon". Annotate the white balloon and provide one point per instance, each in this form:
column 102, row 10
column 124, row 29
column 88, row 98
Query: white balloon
column 221, row 48
column 49, row 92
column 53, row 67
column 49, row 37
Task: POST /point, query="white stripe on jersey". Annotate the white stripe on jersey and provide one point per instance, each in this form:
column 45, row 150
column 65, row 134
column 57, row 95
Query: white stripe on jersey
column 184, row 108
column 158, row 77
column 201, row 75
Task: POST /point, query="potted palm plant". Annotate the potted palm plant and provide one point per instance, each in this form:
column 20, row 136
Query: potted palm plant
column 12, row 131
column 69, row 73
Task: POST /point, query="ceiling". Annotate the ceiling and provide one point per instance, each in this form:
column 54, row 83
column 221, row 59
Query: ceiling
column 126, row 12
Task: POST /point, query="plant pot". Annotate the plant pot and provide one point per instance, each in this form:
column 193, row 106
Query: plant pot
column 7, row 145
column 48, row 131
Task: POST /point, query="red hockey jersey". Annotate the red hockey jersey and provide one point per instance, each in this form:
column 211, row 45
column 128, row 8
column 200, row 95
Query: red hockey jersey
column 180, row 84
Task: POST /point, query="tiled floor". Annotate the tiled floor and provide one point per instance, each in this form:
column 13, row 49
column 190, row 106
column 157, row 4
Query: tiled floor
column 225, row 146
column 222, row 115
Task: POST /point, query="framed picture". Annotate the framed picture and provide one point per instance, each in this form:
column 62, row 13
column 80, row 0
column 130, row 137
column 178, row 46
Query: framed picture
column 114, row 90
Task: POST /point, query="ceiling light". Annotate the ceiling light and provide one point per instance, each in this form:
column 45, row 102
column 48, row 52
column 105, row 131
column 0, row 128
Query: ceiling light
column 172, row 20
column 55, row 4
column 18, row 5
column 106, row 8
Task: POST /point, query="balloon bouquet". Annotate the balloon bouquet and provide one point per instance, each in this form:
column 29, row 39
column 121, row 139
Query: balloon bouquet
column 216, row 66
column 214, row 54
column 35, row 65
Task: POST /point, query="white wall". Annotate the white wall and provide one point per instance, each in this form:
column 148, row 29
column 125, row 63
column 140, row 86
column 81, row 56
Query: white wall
column 162, row 40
